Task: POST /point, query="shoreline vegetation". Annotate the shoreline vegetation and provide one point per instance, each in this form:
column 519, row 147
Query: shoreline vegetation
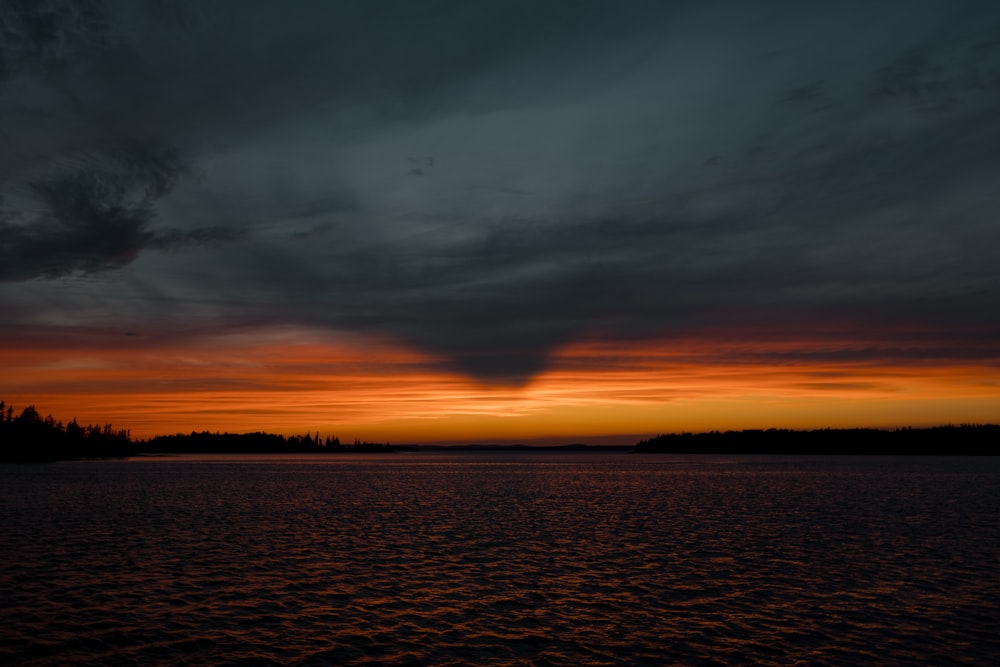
column 27, row 437
column 961, row 440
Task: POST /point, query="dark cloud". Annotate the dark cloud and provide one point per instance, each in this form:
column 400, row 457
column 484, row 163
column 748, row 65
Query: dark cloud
column 44, row 37
column 939, row 76
column 175, row 239
column 488, row 181
column 94, row 215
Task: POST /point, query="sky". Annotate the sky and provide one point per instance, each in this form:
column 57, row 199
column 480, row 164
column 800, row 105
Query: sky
column 436, row 221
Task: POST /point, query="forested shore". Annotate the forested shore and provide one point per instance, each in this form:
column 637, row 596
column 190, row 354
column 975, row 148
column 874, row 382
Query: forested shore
column 964, row 439
column 253, row 443
column 27, row 437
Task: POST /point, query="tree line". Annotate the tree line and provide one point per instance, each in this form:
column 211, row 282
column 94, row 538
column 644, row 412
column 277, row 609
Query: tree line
column 26, row 436
column 964, row 439
column 253, row 443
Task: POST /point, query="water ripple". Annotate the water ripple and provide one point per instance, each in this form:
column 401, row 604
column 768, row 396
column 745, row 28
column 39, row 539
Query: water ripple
column 501, row 560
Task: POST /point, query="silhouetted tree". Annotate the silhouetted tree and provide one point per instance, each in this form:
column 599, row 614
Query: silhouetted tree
column 28, row 437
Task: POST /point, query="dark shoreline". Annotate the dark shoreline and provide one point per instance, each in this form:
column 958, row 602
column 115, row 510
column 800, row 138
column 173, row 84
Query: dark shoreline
column 964, row 440
column 29, row 438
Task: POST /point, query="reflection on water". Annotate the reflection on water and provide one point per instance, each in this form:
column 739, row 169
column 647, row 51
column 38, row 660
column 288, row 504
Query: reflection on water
column 501, row 558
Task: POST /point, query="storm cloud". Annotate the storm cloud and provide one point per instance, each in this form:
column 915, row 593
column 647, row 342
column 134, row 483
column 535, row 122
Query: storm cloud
column 489, row 181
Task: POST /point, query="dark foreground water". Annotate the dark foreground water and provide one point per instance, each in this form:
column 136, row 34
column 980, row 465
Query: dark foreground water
column 490, row 559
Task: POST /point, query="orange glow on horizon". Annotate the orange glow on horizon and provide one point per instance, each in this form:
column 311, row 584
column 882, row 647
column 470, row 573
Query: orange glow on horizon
column 293, row 381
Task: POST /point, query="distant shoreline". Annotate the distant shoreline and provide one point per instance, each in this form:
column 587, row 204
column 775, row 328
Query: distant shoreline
column 29, row 438
column 963, row 440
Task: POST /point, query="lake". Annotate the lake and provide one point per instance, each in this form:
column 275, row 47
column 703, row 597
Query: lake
column 501, row 558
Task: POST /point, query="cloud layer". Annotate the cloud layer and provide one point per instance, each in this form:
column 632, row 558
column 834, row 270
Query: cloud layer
column 491, row 181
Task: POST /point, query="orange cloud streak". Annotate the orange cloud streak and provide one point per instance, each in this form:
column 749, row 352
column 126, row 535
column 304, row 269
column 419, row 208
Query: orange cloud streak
column 293, row 381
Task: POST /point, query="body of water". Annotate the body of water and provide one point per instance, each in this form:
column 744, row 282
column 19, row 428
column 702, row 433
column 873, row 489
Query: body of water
column 501, row 559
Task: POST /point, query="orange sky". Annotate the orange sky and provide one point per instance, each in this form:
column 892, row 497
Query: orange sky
column 293, row 381
column 408, row 226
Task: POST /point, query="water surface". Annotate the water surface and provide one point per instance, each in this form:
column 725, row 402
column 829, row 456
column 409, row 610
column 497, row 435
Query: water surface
column 501, row 559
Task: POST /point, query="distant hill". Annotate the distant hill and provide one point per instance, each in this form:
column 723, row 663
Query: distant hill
column 966, row 439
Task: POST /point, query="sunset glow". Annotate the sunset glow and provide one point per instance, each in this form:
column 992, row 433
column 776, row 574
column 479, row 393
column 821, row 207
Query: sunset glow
column 497, row 222
column 293, row 381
